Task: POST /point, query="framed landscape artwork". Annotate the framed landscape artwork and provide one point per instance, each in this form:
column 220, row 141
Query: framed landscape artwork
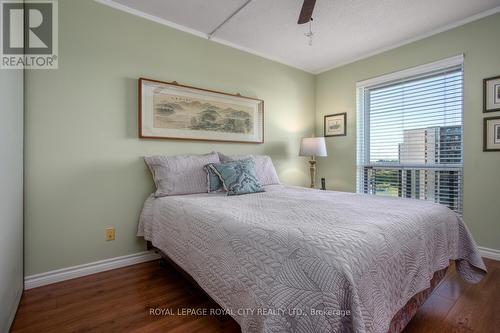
column 491, row 94
column 335, row 124
column 491, row 134
column 174, row 111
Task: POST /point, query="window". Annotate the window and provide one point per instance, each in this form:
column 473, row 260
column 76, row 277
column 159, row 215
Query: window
column 410, row 134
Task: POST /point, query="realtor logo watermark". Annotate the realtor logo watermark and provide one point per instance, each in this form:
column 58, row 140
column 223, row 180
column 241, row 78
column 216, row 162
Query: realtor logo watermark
column 28, row 34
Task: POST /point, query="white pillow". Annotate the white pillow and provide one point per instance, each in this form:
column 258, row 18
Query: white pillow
column 264, row 167
column 181, row 174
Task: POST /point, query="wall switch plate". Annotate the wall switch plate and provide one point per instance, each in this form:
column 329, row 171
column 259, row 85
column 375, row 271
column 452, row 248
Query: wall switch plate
column 110, row 234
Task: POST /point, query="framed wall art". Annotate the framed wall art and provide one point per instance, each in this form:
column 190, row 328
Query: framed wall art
column 491, row 94
column 491, row 133
column 335, row 124
column 174, row 111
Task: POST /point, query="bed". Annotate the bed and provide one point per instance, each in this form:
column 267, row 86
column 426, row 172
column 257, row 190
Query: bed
column 294, row 259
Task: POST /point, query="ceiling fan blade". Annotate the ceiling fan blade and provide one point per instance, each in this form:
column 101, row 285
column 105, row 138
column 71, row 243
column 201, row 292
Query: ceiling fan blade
column 307, row 11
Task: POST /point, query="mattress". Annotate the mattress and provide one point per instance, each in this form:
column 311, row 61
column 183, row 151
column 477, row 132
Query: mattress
column 303, row 260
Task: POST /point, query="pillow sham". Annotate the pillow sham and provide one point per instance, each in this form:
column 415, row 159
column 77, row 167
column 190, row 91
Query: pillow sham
column 264, row 167
column 238, row 177
column 180, row 174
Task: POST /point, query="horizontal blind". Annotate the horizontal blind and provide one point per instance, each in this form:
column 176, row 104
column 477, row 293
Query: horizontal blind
column 410, row 133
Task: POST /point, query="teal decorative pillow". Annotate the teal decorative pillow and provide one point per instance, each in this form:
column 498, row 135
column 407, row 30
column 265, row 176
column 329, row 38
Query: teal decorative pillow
column 214, row 184
column 238, row 177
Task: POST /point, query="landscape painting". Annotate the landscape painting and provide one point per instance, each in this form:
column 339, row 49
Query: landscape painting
column 181, row 112
column 178, row 112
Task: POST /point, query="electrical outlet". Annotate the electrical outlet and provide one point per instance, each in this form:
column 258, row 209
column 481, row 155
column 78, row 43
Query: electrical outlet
column 110, row 234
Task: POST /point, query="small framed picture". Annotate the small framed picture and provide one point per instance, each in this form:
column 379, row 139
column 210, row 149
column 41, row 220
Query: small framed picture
column 491, row 134
column 491, row 94
column 335, row 124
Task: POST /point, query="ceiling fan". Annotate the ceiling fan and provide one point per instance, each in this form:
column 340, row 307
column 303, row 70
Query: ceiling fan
column 306, row 12
column 304, row 17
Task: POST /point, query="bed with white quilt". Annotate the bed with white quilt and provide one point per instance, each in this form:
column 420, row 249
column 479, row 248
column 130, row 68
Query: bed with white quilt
column 294, row 259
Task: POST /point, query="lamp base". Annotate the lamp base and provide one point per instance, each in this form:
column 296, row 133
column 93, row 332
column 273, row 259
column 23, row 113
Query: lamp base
column 312, row 170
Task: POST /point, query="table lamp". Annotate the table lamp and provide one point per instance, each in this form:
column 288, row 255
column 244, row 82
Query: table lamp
column 313, row 147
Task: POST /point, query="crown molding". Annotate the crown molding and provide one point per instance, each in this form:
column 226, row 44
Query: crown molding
column 447, row 27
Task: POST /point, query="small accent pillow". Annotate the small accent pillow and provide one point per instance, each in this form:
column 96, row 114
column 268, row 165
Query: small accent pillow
column 214, row 184
column 264, row 168
column 181, row 174
column 238, row 177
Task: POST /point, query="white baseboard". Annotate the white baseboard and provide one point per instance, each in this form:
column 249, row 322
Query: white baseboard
column 68, row 273
column 489, row 253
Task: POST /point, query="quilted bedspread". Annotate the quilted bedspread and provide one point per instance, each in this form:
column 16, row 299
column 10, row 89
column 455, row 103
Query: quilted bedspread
column 299, row 260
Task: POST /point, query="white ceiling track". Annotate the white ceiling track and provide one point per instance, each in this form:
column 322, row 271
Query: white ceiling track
column 212, row 33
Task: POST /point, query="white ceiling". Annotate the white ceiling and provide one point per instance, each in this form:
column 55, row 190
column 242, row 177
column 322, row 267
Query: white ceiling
column 344, row 30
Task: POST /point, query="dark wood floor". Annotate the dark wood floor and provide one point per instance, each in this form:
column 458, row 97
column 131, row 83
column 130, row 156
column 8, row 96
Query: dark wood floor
column 120, row 301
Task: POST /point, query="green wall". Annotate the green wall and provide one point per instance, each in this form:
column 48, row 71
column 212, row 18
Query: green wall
column 84, row 167
column 336, row 92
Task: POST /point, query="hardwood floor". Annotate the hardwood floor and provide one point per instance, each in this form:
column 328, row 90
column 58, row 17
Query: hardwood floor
column 121, row 300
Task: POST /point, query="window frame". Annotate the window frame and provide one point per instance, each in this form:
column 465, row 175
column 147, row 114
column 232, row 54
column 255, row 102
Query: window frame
column 363, row 113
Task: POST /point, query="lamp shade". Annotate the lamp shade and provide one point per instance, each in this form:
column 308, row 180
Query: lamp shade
column 313, row 147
